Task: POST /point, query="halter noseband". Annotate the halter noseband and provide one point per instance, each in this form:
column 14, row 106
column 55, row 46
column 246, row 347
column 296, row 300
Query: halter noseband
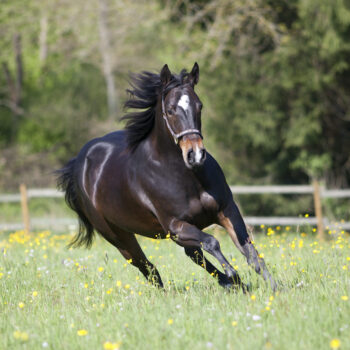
column 175, row 135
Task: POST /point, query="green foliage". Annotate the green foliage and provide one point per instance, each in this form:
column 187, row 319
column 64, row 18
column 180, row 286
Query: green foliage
column 284, row 112
column 274, row 81
column 60, row 118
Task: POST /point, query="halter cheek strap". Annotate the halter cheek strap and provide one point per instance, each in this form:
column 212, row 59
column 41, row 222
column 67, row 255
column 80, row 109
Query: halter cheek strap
column 175, row 135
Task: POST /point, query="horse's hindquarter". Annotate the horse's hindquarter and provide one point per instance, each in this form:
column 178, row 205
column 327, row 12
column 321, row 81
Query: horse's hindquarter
column 108, row 182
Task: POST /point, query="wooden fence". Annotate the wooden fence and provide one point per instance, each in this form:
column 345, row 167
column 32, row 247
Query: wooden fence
column 315, row 189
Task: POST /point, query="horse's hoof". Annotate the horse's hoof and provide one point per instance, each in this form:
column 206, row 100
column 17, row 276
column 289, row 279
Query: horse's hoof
column 226, row 285
column 248, row 287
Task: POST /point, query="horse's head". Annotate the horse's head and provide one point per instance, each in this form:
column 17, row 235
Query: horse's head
column 181, row 109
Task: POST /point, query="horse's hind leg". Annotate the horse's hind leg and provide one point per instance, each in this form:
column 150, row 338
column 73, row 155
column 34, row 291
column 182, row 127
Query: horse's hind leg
column 232, row 221
column 128, row 246
column 197, row 256
column 131, row 250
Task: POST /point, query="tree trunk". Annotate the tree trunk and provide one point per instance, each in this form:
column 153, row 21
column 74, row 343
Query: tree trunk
column 107, row 65
column 19, row 69
column 43, row 38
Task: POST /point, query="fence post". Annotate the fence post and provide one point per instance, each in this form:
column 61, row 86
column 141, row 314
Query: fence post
column 318, row 210
column 24, row 205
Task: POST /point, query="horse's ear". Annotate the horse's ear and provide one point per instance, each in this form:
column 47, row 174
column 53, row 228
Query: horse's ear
column 193, row 77
column 165, row 75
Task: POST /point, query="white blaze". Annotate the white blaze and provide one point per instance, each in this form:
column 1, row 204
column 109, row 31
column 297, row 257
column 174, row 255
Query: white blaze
column 197, row 154
column 184, row 102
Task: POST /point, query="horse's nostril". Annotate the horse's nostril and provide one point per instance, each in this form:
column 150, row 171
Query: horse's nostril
column 190, row 156
column 203, row 154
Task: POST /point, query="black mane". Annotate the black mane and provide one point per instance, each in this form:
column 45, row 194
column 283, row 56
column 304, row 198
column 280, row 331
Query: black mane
column 144, row 93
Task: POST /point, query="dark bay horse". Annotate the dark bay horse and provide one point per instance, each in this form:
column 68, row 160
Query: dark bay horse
column 156, row 179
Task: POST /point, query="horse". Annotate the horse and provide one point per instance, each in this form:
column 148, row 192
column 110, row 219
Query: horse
column 155, row 178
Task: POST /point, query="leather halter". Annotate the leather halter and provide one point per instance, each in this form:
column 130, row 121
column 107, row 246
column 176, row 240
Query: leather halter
column 175, row 135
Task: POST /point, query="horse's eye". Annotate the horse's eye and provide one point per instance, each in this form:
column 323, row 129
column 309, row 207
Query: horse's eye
column 170, row 111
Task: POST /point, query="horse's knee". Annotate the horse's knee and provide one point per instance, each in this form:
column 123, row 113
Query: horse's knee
column 211, row 244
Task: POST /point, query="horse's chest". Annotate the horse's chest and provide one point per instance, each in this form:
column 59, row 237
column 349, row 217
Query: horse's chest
column 204, row 203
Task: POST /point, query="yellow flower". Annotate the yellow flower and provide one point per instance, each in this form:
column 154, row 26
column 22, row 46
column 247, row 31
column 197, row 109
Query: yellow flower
column 345, row 267
column 82, row 332
column 21, row 305
column 170, row 321
column 119, row 283
column 111, row 346
column 344, row 297
column 234, row 323
column 100, row 269
column 335, row 343
column 253, row 297
column 127, row 286
column 34, row 294
column 261, row 255
column 21, row 335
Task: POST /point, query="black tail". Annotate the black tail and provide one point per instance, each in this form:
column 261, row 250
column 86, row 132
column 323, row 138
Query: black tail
column 66, row 183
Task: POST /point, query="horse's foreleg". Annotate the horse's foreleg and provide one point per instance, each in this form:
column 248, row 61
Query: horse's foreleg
column 197, row 256
column 189, row 236
column 232, row 221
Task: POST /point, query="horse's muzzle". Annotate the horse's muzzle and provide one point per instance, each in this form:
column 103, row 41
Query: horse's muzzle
column 193, row 151
column 196, row 157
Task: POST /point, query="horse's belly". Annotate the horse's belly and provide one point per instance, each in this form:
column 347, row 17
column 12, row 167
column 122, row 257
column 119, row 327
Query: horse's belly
column 129, row 214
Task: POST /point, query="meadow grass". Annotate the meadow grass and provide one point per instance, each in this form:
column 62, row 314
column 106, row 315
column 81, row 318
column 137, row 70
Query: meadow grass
column 57, row 298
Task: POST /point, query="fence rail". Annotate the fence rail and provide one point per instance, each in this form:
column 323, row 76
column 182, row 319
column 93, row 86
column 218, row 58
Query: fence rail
column 315, row 189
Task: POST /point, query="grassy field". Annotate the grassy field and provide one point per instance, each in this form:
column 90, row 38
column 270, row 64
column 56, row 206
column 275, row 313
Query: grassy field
column 57, row 298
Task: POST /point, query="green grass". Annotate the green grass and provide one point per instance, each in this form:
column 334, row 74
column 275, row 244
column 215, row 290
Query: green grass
column 77, row 290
